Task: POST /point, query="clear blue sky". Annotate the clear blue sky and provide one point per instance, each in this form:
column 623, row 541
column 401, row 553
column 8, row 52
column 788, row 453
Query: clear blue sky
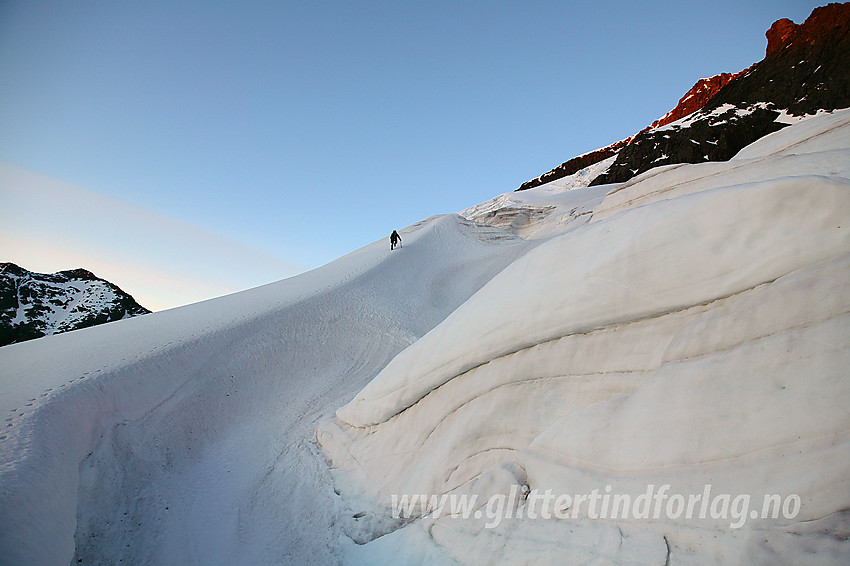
column 304, row 130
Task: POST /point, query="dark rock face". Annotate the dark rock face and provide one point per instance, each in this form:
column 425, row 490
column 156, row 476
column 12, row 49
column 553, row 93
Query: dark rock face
column 807, row 69
column 711, row 136
column 36, row 304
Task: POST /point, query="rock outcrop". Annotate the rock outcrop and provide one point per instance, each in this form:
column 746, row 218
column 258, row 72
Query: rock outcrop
column 778, row 34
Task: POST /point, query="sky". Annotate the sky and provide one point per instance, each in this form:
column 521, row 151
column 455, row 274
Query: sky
column 184, row 150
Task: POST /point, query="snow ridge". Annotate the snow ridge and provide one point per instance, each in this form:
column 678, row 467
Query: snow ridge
column 184, row 436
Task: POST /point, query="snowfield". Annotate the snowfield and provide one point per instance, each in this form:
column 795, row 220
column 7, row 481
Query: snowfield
column 185, row 437
column 689, row 328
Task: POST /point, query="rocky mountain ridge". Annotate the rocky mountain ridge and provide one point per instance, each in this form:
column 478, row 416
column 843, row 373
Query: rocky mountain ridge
column 40, row 304
column 806, row 69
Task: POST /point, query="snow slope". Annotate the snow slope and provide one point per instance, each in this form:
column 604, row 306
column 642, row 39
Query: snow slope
column 696, row 332
column 689, row 327
column 183, row 437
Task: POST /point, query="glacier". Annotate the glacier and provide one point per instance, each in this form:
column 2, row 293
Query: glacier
column 689, row 328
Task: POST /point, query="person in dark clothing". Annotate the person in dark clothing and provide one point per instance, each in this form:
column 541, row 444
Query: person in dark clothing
column 394, row 239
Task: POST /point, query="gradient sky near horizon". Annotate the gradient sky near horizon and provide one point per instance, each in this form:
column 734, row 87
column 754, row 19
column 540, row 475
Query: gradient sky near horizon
column 188, row 149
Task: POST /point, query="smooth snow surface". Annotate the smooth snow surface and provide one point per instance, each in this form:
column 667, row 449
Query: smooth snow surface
column 184, row 437
column 690, row 327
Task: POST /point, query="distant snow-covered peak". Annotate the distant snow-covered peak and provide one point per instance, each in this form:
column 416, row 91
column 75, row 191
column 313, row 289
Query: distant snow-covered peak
column 39, row 304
